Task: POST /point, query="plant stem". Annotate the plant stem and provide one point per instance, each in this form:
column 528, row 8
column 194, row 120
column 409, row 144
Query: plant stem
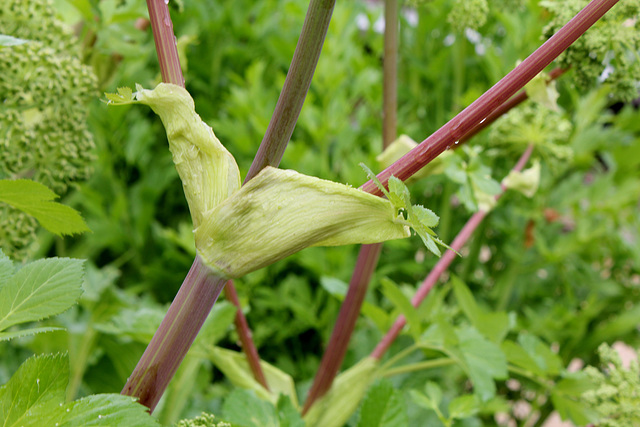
column 442, row 265
column 349, row 312
column 176, row 333
column 480, row 109
column 296, row 86
column 165, row 40
column 200, row 288
column 244, row 334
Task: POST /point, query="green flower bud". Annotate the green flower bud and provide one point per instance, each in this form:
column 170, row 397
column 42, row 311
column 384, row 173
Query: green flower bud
column 526, row 182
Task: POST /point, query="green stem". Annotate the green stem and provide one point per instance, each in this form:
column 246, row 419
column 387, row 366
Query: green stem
column 399, row 356
column 414, row 367
column 296, row 86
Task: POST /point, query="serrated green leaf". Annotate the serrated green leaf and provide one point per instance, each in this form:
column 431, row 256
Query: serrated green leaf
column 422, row 400
column 484, row 361
column 544, row 358
column 426, row 216
column 383, row 407
column 517, row 355
column 40, row 289
column 124, row 96
column 95, row 410
column 243, row 408
column 397, row 187
column 395, row 295
column 39, row 381
column 372, row 176
column 464, row 406
column 288, row 415
column 493, row 325
column 35, row 199
column 434, row 393
column 6, row 336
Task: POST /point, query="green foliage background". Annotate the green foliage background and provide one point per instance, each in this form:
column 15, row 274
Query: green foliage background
column 555, row 275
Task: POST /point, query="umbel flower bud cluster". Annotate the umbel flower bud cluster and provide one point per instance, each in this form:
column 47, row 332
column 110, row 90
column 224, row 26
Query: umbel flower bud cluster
column 45, row 89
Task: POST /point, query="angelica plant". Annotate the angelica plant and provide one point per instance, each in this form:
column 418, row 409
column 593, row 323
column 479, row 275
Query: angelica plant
column 45, row 90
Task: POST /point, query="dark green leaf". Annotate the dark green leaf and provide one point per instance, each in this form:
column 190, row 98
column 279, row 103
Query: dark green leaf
column 383, row 406
column 40, row 381
column 464, row 406
column 35, row 199
column 243, row 408
column 40, row 289
column 395, row 295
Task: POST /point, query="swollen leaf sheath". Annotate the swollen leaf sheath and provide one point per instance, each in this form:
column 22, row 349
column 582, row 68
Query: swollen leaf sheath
column 209, row 173
column 280, row 212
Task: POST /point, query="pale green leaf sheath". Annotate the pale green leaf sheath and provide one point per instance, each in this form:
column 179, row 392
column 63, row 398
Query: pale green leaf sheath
column 275, row 215
column 280, row 212
column 209, row 173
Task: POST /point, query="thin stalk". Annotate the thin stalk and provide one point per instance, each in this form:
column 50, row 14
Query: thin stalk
column 296, row 86
column 368, row 256
column 479, row 110
column 441, row 266
column 176, row 333
column 244, row 334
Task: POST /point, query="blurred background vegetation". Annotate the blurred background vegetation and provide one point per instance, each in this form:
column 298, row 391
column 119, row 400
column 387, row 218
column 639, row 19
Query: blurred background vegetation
column 564, row 265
